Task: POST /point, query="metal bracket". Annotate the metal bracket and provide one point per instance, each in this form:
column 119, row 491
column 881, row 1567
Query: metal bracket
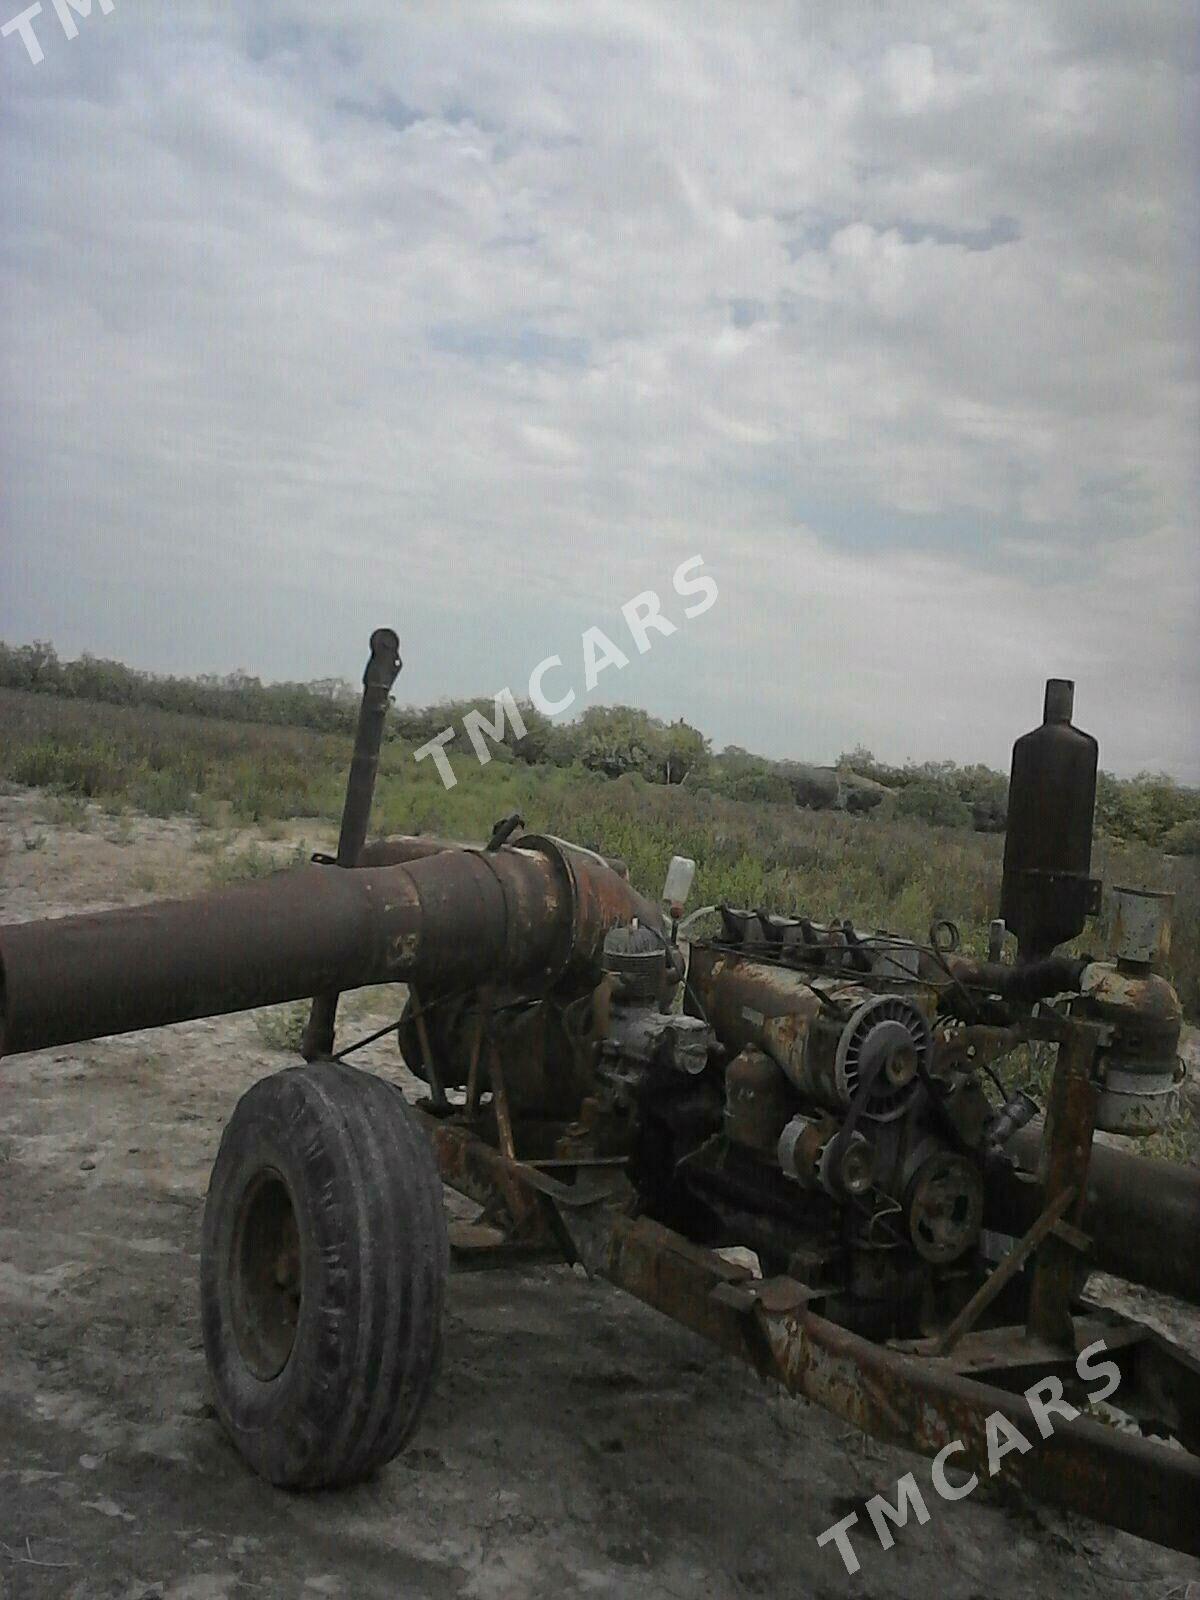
column 1066, row 1152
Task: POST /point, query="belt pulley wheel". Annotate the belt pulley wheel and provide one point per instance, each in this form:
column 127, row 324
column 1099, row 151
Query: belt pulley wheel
column 887, row 1043
column 945, row 1207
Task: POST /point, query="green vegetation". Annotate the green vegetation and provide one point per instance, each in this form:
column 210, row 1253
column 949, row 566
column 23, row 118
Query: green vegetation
column 253, row 862
column 68, row 811
column 279, row 772
column 282, row 1027
column 758, row 849
column 165, row 764
column 1183, row 839
column 611, row 741
column 935, row 803
column 329, row 706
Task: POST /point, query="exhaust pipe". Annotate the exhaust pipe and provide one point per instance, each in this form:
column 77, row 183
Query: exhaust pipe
column 381, row 673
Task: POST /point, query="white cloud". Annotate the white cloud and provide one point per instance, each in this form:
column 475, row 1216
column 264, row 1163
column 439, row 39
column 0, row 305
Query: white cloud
column 501, row 313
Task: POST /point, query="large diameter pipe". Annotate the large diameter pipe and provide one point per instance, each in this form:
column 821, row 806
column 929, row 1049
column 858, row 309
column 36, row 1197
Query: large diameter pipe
column 411, row 847
column 461, row 917
column 404, row 848
column 1143, row 1216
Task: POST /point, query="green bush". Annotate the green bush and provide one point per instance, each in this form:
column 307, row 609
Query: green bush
column 615, row 740
column 1147, row 807
column 1183, row 839
column 282, row 1027
column 934, row 803
column 771, row 787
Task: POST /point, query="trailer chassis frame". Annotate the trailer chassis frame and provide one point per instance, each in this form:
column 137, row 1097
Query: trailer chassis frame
column 920, row 1394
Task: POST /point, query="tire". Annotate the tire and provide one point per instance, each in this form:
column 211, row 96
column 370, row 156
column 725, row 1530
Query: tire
column 323, row 1274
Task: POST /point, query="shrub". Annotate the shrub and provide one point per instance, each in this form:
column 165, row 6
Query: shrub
column 771, row 787
column 934, row 803
column 252, row 862
column 282, row 1027
column 1183, row 839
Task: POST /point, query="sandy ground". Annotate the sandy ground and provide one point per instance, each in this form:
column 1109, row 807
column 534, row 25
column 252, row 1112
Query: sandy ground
column 577, row 1443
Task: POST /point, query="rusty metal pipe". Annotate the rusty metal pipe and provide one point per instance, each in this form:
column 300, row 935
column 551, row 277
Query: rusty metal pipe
column 414, row 846
column 402, row 848
column 527, row 915
column 381, row 673
column 1143, row 1216
column 1036, row 980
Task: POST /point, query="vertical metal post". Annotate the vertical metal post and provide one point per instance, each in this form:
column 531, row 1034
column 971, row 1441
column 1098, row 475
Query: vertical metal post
column 472, row 1106
column 500, row 1105
column 380, row 675
column 1066, row 1152
column 437, row 1093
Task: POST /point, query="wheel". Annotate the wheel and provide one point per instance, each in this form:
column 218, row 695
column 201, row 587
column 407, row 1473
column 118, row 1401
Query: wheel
column 323, row 1273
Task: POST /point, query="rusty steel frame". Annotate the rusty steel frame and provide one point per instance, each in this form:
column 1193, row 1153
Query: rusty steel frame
column 1066, row 1152
column 904, row 1393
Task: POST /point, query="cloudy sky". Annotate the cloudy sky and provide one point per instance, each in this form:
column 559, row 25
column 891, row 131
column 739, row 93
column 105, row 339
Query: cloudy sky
column 480, row 320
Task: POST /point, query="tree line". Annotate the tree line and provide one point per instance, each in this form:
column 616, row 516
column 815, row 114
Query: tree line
column 616, row 741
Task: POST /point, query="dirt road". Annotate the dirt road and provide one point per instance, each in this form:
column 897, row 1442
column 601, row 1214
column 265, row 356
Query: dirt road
column 577, row 1444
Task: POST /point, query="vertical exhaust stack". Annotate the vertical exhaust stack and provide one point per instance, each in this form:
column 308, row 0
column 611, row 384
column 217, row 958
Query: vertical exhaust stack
column 381, row 673
column 1047, row 890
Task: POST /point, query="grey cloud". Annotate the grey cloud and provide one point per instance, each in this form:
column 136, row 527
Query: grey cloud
column 502, row 316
